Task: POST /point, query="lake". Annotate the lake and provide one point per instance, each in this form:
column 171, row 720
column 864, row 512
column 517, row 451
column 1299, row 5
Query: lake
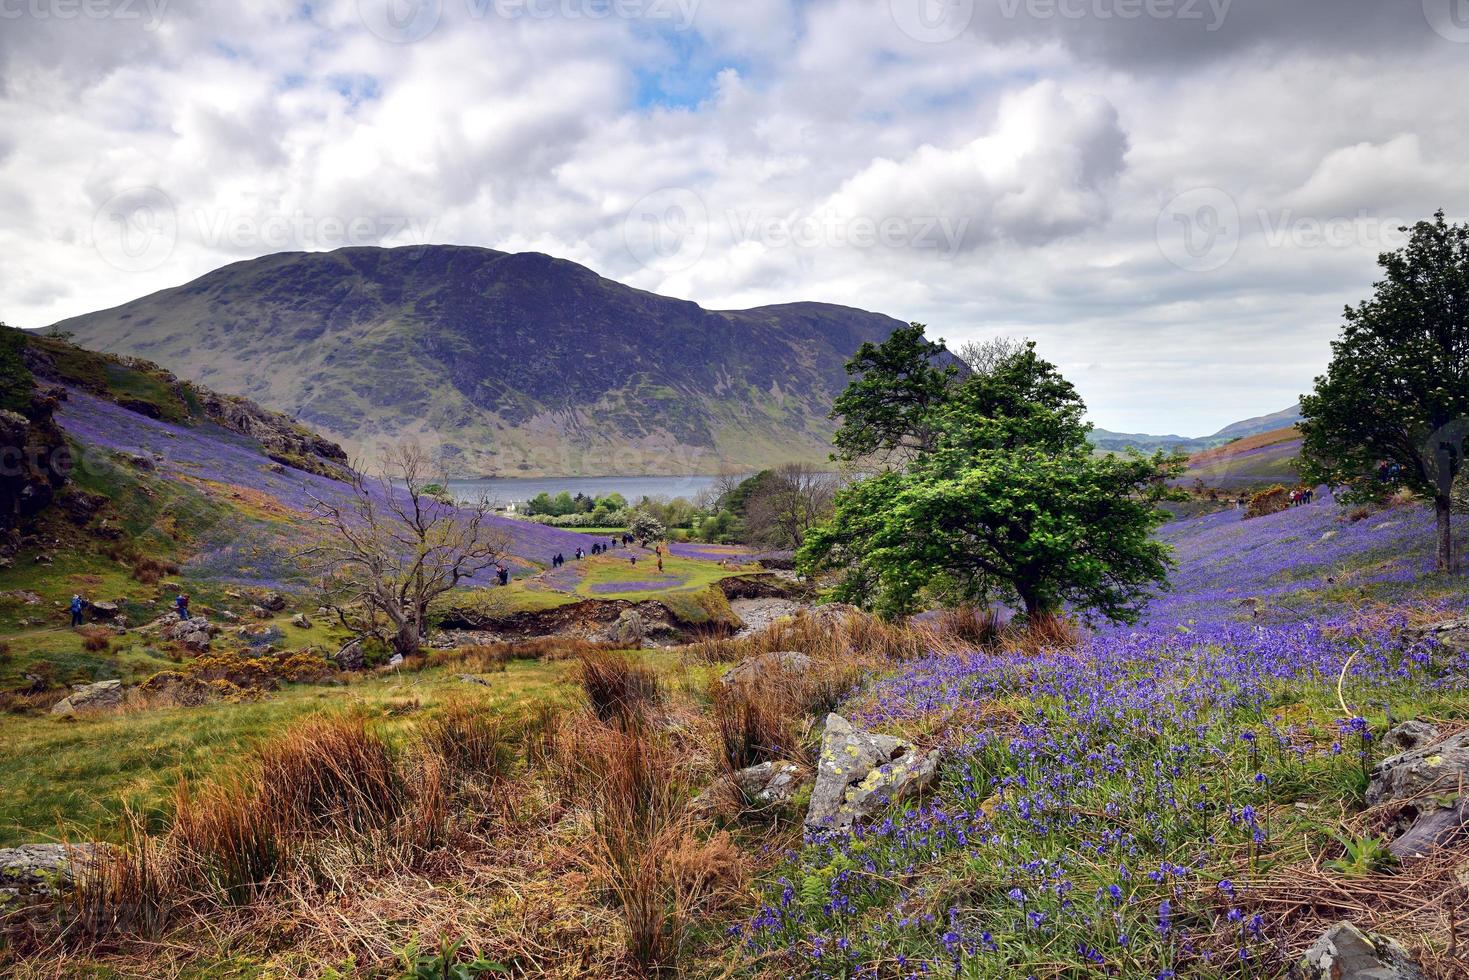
column 634, row 488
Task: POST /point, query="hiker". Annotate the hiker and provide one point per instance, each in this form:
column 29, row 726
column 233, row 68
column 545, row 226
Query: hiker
column 77, row 605
column 579, row 554
column 634, row 559
column 181, row 604
column 504, row 575
column 660, row 563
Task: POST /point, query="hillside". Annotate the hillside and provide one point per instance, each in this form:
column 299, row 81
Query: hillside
column 1262, row 458
column 514, row 364
column 1119, row 441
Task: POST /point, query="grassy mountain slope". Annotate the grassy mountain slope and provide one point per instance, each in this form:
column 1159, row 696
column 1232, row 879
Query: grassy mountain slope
column 515, row 364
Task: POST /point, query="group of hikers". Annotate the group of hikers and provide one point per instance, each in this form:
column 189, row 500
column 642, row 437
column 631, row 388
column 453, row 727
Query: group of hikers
column 1301, row 496
column 558, row 559
column 79, row 607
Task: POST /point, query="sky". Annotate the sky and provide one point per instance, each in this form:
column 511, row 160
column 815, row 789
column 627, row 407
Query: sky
column 1174, row 198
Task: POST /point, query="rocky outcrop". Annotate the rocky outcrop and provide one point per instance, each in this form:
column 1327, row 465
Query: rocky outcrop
column 283, row 440
column 1428, row 785
column 833, row 614
column 100, row 696
column 1453, row 633
column 1345, row 952
column 195, row 634
column 860, row 773
column 37, row 461
column 39, row 870
column 766, row 667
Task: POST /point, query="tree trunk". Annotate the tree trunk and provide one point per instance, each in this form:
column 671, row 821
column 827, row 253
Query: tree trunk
column 407, row 640
column 1441, row 507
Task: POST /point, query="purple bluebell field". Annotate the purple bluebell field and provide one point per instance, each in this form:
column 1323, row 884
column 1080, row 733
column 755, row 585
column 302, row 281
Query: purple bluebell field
column 1102, row 809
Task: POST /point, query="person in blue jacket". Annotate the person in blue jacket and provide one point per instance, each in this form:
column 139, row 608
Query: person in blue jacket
column 77, row 605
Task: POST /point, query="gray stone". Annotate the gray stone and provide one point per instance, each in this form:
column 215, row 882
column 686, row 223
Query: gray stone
column 1452, row 633
column 1410, row 735
column 273, row 601
column 40, row 869
column 859, row 773
column 766, row 667
column 104, row 610
column 762, row 785
column 630, row 629
column 396, row 660
column 350, row 657
column 260, row 612
column 90, row 697
column 1345, row 952
column 300, row 621
column 1430, row 784
column 471, row 679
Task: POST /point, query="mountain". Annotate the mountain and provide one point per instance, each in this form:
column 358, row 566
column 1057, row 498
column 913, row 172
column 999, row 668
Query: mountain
column 1119, row 441
column 509, row 364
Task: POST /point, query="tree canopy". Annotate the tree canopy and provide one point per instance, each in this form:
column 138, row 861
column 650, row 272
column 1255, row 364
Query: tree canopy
column 1002, row 498
column 1392, row 409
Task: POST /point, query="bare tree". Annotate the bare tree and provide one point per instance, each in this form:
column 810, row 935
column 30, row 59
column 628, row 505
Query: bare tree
column 787, row 506
column 983, row 356
column 396, row 545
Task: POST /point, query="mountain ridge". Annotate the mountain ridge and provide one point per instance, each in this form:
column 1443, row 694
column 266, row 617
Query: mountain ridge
column 507, row 363
column 1118, row 441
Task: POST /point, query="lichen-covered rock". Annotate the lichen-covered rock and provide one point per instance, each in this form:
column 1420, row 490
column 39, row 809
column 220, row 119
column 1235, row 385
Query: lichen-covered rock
column 300, row 621
column 859, row 773
column 90, row 697
column 766, row 784
column 1410, row 735
column 350, row 657
column 766, row 667
column 273, row 601
column 1345, row 952
column 41, row 869
column 1428, row 784
column 833, row 614
column 630, row 629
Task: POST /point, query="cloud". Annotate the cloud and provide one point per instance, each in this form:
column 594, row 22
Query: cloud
column 1005, row 177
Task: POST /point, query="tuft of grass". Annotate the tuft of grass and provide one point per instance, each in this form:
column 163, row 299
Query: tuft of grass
column 618, row 690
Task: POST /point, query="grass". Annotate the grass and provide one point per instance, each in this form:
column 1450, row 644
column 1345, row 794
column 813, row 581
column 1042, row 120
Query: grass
column 97, row 766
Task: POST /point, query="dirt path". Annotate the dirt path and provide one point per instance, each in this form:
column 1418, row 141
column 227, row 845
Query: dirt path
column 757, row 614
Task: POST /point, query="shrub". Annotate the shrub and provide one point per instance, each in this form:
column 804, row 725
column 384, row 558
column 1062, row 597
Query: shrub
column 617, row 690
column 1271, row 500
column 96, row 640
column 151, row 571
column 471, row 744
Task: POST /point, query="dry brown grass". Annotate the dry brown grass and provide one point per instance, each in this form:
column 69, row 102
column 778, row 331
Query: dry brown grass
column 95, row 639
column 619, row 691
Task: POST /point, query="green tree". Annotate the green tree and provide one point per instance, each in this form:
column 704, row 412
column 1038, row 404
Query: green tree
column 1007, row 502
column 885, row 409
column 15, row 377
column 1397, row 388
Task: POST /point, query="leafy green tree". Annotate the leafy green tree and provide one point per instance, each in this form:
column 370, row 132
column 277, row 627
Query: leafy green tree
column 1007, row 502
column 15, row 377
column 885, row 409
column 1392, row 409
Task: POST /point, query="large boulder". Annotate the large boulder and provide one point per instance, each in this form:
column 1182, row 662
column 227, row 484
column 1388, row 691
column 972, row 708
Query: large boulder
column 860, row 773
column 350, row 657
column 273, row 601
column 195, row 633
column 1345, row 952
column 104, row 611
column 1427, row 784
column 90, row 697
column 301, row 622
column 630, row 629
column 766, row 667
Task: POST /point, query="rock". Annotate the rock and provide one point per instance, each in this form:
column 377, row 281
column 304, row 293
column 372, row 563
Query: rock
column 1429, row 783
column 260, row 637
column 1345, row 952
column 630, row 629
column 90, row 697
column 300, row 621
column 833, row 614
column 40, row 869
column 766, row 667
column 273, row 601
column 260, row 612
column 1410, row 735
column 350, row 657
column 861, row 772
column 762, row 785
column 471, row 679
column 1453, row 633
column 396, row 660
column 228, row 616
column 104, row 610
column 195, row 633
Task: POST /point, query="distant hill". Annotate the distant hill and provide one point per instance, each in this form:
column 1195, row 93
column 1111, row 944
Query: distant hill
column 1253, row 460
column 1119, row 441
column 509, row 364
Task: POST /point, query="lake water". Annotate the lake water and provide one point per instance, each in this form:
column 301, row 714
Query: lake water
column 634, row 488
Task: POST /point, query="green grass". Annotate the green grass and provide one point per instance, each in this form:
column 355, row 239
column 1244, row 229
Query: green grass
column 80, row 773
